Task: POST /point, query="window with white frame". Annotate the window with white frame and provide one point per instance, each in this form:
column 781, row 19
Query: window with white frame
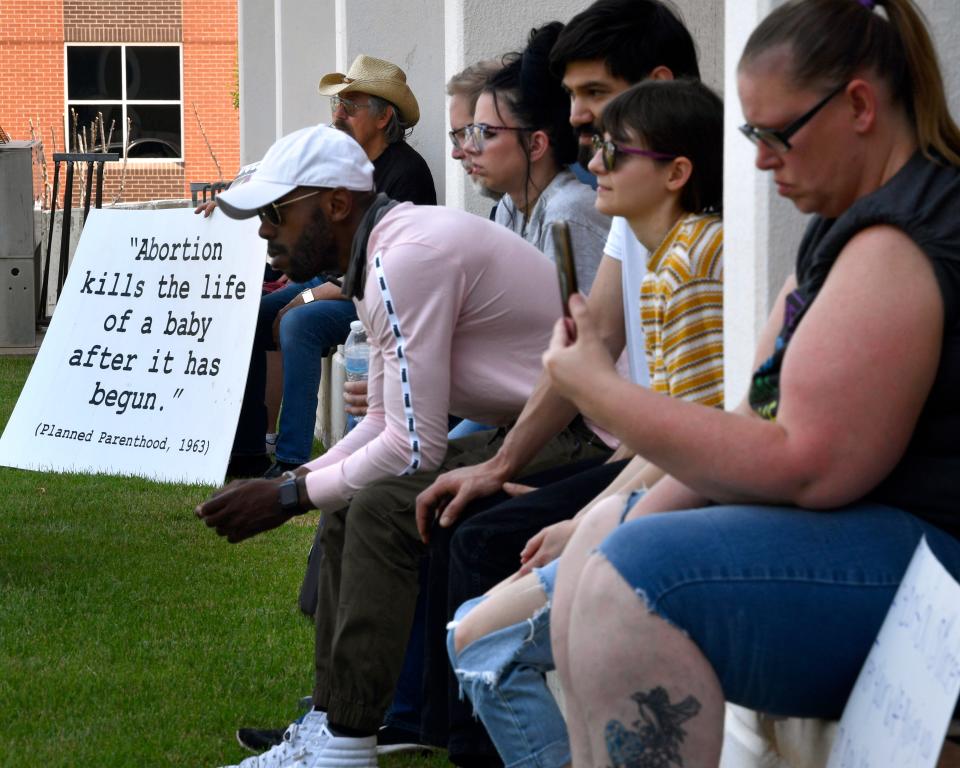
column 137, row 90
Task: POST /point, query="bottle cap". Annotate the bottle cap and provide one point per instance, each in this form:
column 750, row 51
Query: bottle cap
column 356, row 325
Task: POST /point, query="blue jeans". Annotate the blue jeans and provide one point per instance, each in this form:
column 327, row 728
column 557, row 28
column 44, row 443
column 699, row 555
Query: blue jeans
column 307, row 334
column 503, row 675
column 785, row 603
column 467, row 427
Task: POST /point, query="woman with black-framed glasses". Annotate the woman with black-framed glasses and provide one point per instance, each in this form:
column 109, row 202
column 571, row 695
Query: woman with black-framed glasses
column 520, row 144
column 761, row 568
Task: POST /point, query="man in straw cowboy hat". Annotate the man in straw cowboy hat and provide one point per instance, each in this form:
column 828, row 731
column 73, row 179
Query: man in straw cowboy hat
column 438, row 290
column 373, row 104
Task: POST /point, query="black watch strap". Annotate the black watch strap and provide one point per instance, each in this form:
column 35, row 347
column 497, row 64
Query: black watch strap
column 289, row 494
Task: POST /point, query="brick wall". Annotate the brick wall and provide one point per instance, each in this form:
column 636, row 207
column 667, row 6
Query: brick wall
column 32, row 36
column 31, row 72
column 119, row 21
column 209, row 80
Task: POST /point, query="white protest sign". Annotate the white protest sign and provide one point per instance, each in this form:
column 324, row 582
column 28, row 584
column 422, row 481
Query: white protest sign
column 901, row 705
column 143, row 367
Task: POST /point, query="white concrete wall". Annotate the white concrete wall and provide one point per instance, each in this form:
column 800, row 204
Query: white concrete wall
column 258, row 87
column 409, row 34
column 284, row 49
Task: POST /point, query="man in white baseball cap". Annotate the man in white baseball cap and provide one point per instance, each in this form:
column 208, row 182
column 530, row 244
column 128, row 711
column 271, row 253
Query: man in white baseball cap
column 315, row 157
column 373, row 104
column 441, row 293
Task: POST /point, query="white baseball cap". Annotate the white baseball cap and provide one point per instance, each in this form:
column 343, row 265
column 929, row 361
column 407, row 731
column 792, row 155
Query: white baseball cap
column 319, row 156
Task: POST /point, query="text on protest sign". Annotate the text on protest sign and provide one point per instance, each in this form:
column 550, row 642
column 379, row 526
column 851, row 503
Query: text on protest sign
column 144, row 364
column 901, row 705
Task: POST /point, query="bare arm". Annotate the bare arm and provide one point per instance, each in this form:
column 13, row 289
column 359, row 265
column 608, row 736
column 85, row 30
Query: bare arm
column 853, row 382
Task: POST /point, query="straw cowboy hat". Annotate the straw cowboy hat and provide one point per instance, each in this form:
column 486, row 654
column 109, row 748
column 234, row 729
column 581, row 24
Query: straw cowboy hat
column 375, row 77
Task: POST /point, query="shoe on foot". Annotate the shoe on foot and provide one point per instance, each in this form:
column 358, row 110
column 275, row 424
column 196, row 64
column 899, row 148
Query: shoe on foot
column 392, row 740
column 345, row 752
column 259, row 739
column 301, row 745
column 278, row 468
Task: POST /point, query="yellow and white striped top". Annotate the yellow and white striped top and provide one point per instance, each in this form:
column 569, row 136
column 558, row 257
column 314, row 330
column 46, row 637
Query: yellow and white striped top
column 681, row 309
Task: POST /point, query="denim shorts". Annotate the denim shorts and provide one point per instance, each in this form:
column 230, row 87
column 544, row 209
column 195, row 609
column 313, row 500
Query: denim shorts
column 785, row 603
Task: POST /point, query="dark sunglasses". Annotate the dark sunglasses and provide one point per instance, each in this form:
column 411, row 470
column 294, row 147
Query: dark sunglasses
column 271, row 213
column 779, row 140
column 609, row 150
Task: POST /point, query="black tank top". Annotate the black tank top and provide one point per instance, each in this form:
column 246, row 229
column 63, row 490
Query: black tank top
column 922, row 200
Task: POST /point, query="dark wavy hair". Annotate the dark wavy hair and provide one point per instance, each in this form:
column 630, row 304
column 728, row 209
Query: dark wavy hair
column 676, row 117
column 632, row 37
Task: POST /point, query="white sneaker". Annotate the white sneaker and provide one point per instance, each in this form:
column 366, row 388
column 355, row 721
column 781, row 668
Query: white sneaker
column 302, row 743
column 346, row 752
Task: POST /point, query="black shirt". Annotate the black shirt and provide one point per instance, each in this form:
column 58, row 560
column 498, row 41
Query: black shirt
column 922, row 200
column 402, row 175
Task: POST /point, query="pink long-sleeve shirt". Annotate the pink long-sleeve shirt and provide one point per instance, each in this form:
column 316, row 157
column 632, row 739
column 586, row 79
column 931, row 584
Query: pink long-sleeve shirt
column 458, row 312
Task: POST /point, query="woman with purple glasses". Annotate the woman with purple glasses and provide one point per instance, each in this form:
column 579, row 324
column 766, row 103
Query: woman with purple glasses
column 658, row 165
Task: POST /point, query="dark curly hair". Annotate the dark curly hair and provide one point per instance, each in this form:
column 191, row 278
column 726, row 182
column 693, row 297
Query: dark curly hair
column 535, row 96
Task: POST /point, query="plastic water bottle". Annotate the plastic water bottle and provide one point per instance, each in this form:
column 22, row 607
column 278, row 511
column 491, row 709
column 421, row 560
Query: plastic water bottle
column 356, row 361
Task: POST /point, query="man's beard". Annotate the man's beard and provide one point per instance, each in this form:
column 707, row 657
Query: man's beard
column 585, row 151
column 342, row 125
column 314, row 252
column 483, row 190
column 477, row 183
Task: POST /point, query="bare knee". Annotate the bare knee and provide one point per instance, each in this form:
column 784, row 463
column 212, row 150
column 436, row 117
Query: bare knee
column 464, row 634
column 516, row 603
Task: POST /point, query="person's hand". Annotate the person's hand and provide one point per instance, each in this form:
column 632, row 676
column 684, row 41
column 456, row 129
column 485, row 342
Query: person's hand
column 355, row 396
column 576, row 355
column 243, row 509
column 206, row 208
column 321, row 292
column 546, row 546
column 517, row 489
column 452, row 491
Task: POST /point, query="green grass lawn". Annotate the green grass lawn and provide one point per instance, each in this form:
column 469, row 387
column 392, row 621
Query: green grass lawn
column 130, row 635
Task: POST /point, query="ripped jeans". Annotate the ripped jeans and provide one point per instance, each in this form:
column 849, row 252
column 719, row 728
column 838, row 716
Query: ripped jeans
column 503, row 674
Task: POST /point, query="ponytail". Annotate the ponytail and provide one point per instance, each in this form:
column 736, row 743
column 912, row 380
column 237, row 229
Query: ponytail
column 935, row 128
column 834, row 39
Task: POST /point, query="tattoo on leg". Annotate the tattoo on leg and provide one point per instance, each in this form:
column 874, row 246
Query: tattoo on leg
column 656, row 741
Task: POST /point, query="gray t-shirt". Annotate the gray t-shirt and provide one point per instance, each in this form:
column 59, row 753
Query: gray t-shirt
column 568, row 199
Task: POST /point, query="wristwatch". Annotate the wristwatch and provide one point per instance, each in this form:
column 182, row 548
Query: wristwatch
column 290, row 494
column 307, row 295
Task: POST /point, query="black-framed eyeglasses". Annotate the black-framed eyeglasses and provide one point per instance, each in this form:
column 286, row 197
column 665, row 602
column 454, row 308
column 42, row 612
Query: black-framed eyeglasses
column 610, row 149
column 478, row 133
column 271, row 213
column 350, row 107
column 779, row 140
column 458, row 137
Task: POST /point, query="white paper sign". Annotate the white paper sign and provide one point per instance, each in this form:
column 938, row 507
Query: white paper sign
column 901, row 705
column 143, row 367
